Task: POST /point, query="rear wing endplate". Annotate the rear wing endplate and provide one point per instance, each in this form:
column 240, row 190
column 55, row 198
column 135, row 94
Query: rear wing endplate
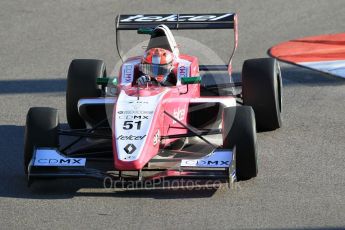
column 181, row 22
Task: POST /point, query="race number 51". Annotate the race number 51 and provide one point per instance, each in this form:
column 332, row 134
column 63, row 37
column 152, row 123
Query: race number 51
column 127, row 125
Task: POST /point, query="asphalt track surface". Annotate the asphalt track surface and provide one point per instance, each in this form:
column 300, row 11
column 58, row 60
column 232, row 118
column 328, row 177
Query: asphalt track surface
column 301, row 181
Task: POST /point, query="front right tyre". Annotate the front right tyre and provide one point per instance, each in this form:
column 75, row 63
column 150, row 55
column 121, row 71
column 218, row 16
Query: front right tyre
column 41, row 130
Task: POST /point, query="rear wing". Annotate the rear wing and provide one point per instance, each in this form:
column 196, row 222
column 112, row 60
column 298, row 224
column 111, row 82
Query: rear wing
column 177, row 21
column 181, row 22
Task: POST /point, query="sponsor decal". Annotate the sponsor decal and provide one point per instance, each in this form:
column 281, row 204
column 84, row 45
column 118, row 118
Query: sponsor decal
column 138, row 102
column 52, row 161
column 133, row 117
column 50, row 157
column 130, row 138
column 217, row 159
column 175, row 18
column 206, row 163
column 130, row 148
column 156, row 138
column 182, row 71
column 135, row 112
column 128, row 157
column 179, row 114
column 127, row 73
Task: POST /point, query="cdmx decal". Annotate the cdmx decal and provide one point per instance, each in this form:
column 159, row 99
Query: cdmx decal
column 60, row 161
column 206, row 163
column 133, row 117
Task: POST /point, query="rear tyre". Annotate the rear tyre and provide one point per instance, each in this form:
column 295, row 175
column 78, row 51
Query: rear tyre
column 41, row 130
column 81, row 83
column 239, row 130
column 262, row 89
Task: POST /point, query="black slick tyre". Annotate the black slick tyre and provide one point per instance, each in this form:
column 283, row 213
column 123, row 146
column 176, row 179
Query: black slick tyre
column 81, row 83
column 262, row 90
column 239, row 130
column 41, row 130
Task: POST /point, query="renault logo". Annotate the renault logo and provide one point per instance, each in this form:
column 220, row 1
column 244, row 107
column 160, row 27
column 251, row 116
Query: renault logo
column 130, row 148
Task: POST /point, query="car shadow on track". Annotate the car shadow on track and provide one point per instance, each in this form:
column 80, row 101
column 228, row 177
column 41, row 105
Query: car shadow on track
column 24, row 86
column 14, row 183
column 291, row 76
column 295, row 75
column 156, row 194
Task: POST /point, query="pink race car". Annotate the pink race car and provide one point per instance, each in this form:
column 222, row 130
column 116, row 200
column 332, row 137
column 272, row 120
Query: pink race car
column 159, row 118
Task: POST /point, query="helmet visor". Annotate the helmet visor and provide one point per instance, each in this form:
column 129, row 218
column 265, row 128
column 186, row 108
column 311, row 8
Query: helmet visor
column 154, row 70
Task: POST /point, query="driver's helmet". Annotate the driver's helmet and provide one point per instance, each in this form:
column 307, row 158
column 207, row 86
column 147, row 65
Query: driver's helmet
column 157, row 63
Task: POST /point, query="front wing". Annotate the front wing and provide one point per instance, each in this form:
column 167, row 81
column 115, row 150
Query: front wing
column 50, row 163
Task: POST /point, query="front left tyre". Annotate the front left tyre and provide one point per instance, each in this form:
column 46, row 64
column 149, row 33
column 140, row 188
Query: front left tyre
column 239, row 130
column 262, row 90
column 41, row 130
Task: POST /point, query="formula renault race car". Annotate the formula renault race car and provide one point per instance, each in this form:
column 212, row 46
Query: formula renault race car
column 122, row 130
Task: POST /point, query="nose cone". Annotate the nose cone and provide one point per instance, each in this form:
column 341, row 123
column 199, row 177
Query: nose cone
column 136, row 122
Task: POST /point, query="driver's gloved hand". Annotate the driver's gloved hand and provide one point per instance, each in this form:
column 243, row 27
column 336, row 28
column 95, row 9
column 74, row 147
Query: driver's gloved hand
column 143, row 80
